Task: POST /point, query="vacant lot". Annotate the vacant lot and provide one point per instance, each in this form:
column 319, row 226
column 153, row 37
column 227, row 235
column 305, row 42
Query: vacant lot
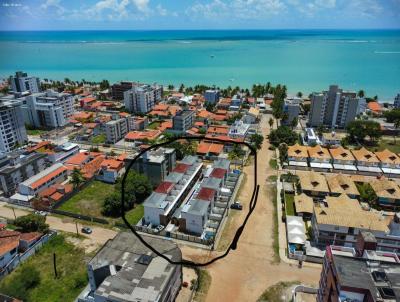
column 153, row 125
column 90, row 200
column 34, row 279
column 289, row 203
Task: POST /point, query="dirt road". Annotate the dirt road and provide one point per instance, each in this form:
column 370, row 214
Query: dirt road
column 248, row 271
column 92, row 241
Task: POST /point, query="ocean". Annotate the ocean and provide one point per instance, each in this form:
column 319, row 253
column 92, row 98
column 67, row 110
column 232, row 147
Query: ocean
column 303, row 60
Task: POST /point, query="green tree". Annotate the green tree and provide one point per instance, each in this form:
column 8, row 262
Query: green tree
column 104, row 84
column 256, row 140
column 77, row 178
column 361, row 93
column 392, row 116
column 283, row 153
column 299, row 94
column 181, row 88
column 32, row 223
column 112, row 204
column 367, row 194
column 137, row 187
column 282, row 135
column 359, row 129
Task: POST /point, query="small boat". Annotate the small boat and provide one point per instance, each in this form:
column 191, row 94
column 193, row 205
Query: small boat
column 212, row 56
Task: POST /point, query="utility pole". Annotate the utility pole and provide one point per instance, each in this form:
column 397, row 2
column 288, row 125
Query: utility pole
column 76, row 224
column 55, row 266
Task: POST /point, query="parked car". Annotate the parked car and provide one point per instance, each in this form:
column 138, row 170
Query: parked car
column 236, row 206
column 86, row 230
column 159, row 228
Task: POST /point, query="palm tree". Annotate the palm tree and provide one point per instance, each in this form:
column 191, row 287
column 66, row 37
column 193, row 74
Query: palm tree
column 77, row 178
column 300, row 94
column 361, row 93
column 271, row 122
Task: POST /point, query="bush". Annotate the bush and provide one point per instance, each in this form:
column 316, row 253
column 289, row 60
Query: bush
column 32, row 223
column 23, row 281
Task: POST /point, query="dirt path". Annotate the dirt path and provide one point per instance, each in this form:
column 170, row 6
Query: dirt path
column 248, row 271
column 92, row 241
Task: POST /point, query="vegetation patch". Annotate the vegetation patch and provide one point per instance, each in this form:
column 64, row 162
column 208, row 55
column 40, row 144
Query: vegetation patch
column 99, row 139
column 289, row 204
column 276, row 292
column 273, row 164
column 275, row 231
column 89, row 200
column 34, row 279
column 154, row 125
column 204, row 282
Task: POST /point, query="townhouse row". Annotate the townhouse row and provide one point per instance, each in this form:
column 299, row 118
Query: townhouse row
column 343, row 159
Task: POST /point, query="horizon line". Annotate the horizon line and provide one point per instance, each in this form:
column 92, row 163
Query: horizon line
column 205, row 29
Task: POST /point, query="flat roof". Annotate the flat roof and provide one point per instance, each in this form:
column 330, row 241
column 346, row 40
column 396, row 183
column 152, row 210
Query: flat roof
column 139, row 274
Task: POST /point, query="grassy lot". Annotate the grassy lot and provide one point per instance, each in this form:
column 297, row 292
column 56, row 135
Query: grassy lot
column 275, row 236
column 204, row 280
column 390, row 144
column 34, row 279
column 153, row 125
column 99, row 139
column 35, row 132
column 90, row 200
column 289, row 204
column 133, row 216
column 276, row 293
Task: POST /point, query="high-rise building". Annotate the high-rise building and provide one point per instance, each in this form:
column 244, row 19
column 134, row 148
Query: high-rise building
column 335, row 108
column 21, row 83
column 359, row 274
column 141, row 99
column 12, row 127
column 48, row 109
column 211, row 96
column 396, row 103
column 118, row 89
column 183, row 121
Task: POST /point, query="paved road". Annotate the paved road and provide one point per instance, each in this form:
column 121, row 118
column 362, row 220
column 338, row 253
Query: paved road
column 245, row 273
column 92, row 241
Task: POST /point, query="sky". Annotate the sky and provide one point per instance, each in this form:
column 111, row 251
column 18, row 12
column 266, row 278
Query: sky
column 198, row 14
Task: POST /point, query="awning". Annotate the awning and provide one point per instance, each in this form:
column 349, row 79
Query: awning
column 321, row 165
column 297, row 239
column 345, row 167
column 369, row 169
column 296, row 230
column 391, row 171
column 298, row 163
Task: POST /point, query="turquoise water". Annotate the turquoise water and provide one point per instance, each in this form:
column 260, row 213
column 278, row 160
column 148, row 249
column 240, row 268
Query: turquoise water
column 303, row 60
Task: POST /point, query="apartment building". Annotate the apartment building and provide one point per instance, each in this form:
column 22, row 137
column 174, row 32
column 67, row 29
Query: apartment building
column 142, row 99
column 22, row 84
column 389, row 161
column 359, row 274
column 183, row 121
column 16, row 167
column 156, row 164
column 161, row 204
column 343, row 159
column 12, row 126
column 319, row 157
column 291, row 107
column 212, row 96
column 298, row 155
column 116, row 130
column 48, row 109
column 195, row 213
column 313, row 184
column 335, row 108
column 137, row 123
column 124, row 270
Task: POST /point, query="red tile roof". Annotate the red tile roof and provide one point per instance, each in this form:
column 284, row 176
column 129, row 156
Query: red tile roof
column 9, row 240
column 77, row 159
column 30, row 236
column 218, row 173
column 181, row 168
column 112, row 164
column 374, row 106
column 49, row 176
column 224, row 130
column 206, row 194
column 141, row 135
column 165, row 187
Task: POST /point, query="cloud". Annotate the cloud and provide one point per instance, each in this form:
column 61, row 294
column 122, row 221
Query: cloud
column 242, row 9
column 142, row 5
column 54, row 4
column 366, row 8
